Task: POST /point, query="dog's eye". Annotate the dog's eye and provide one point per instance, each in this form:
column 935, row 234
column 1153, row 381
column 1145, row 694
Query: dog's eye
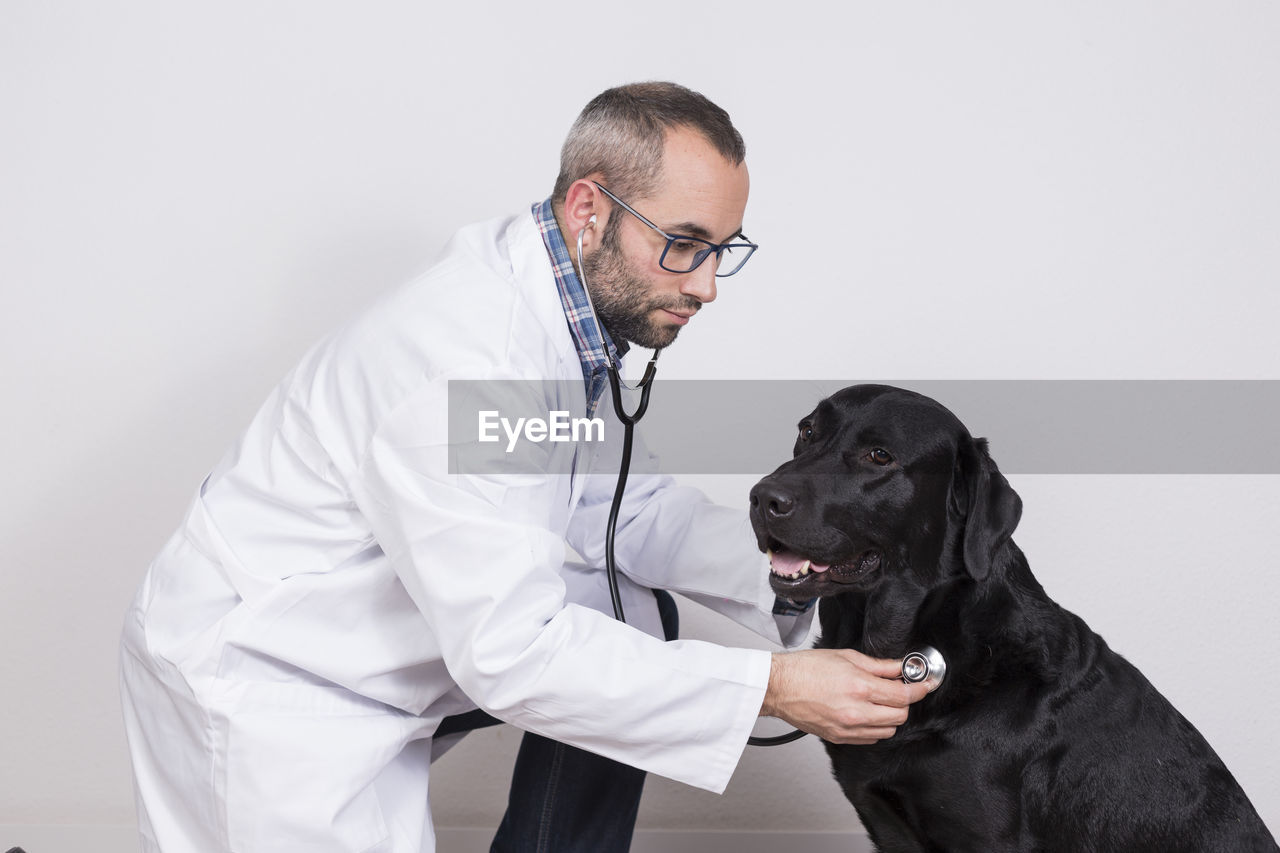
column 880, row 456
column 806, row 431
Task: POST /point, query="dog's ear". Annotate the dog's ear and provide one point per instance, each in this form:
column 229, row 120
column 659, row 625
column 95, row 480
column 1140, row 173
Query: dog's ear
column 989, row 505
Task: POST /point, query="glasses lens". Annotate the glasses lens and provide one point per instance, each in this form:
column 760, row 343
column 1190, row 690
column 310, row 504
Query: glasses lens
column 732, row 258
column 684, row 254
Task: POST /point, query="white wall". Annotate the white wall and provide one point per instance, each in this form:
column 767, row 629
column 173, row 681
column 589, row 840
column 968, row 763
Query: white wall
column 191, row 193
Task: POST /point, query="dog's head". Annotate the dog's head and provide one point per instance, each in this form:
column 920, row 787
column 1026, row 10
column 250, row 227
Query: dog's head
column 884, row 486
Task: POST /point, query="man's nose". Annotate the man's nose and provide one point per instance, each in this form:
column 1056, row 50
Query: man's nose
column 771, row 500
column 701, row 283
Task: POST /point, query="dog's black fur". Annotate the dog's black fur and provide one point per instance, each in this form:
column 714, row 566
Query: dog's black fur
column 1041, row 738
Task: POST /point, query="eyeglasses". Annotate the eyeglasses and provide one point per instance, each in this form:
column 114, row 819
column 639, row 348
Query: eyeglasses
column 685, row 254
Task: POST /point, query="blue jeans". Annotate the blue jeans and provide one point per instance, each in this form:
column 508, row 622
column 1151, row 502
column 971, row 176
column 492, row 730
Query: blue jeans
column 564, row 799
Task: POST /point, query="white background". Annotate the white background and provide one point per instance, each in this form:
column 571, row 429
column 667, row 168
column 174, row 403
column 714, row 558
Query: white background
column 190, row 194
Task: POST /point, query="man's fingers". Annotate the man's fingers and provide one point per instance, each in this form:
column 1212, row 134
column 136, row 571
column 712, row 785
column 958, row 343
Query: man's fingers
column 876, row 666
column 896, row 694
column 864, row 735
column 878, row 716
column 917, row 691
column 887, row 668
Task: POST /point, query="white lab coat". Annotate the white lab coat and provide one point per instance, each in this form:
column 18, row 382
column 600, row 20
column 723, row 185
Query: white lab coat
column 333, row 592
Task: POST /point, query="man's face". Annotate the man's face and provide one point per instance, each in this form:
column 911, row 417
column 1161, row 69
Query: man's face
column 700, row 194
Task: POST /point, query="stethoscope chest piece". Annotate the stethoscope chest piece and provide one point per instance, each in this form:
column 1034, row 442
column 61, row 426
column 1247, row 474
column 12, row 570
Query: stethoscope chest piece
column 924, row 665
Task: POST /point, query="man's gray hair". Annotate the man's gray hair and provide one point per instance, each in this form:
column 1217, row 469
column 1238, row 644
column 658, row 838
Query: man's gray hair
column 621, row 134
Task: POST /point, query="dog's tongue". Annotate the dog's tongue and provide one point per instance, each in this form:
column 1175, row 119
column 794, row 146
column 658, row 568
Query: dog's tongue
column 788, row 563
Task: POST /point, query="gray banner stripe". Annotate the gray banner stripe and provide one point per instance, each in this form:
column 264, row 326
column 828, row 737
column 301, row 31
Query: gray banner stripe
column 1034, row 426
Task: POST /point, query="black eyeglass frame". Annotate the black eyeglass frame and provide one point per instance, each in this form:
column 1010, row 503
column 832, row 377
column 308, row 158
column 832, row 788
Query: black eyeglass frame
column 699, row 256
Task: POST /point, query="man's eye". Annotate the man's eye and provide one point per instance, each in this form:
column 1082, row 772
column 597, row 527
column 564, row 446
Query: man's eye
column 685, row 246
column 880, row 456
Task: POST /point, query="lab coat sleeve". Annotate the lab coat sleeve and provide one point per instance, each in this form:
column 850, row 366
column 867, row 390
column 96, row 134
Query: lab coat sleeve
column 479, row 558
column 672, row 537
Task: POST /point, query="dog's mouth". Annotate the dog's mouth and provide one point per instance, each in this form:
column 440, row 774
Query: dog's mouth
column 794, row 576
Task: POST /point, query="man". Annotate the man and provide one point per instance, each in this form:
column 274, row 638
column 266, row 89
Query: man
column 336, row 600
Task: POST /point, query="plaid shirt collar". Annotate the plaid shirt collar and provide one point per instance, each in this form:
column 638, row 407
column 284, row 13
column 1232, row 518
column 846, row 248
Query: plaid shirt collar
column 589, row 338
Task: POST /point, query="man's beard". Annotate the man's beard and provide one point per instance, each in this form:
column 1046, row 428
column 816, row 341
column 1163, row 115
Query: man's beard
column 622, row 300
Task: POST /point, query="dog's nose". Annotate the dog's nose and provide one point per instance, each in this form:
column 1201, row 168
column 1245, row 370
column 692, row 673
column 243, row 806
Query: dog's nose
column 772, row 500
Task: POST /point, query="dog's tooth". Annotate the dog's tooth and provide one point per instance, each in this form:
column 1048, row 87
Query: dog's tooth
column 770, row 553
column 804, row 569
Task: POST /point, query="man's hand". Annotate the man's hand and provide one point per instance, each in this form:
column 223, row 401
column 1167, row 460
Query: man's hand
column 840, row 695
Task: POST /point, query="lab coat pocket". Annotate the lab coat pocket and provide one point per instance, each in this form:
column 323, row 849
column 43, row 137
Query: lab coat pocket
column 301, row 761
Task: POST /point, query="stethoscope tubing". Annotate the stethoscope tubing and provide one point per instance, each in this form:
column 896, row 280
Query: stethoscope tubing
column 629, row 422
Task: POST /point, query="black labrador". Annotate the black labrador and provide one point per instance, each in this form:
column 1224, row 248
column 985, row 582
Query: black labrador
column 1040, row 738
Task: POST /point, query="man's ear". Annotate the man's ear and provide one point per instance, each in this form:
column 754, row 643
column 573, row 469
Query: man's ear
column 989, row 505
column 581, row 204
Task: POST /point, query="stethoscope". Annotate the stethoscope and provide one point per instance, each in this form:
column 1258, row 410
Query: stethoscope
column 629, row 421
column 924, row 664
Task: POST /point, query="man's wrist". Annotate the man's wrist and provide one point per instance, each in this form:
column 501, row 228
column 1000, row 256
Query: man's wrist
column 778, row 675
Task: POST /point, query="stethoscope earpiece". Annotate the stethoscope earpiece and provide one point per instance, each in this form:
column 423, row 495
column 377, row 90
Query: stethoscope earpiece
column 924, row 665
